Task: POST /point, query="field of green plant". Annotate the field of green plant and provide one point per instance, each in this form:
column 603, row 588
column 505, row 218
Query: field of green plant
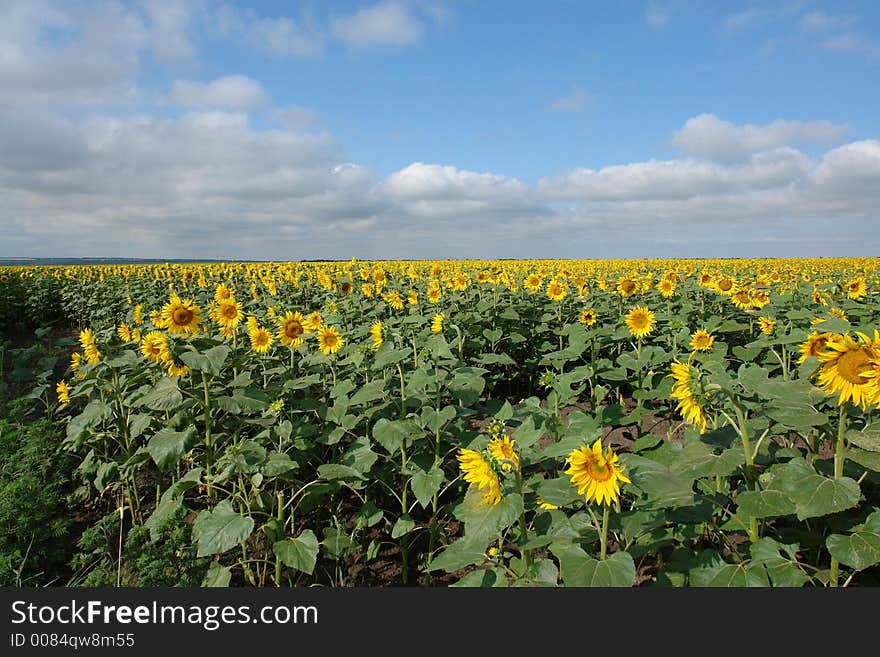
column 453, row 423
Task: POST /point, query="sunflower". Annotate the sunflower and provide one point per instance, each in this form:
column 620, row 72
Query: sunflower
column 154, row 346
column 437, row 323
column 556, row 290
column 313, row 322
column 175, row 369
column 181, row 316
column 261, row 339
column 587, row 317
column 743, row 299
column 376, row 330
column 640, row 321
column 290, row 329
column 227, row 314
column 666, row 287
column 394, row 300
column 434, row 295
column 856, row 289
column 345, row 287
column 460, row 281
column 137, row 315
column 760, row 298
column 90, row 349
column 725, row 285
column 477, row 471
column 839, row 313
column 596, row 473
column 627, row 287
column 503, row 450
column 367, row 290
column 223, row 293
column 63, row 391
column 124, row 332
column 532, row 283
column 413, row 298
column 767, row 325
column 845, row 364
column 688, row 391
column 813, row 345
column 702, row 340
column 75, row 360
column 329, row 340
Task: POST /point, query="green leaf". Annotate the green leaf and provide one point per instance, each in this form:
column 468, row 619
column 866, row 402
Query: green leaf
column 367, row 393
column 390, row 357
column 463, row 552
column 220, row 529
column 166, row 509
column 813, row 494
column 867, row 440
column 860, row 549
column 580, row 569
column 211, row 362
column 334, row 471
column 217, row 576
column 165, row 396
column 486, row 520
column 426, row 484
column 435, row 421
column 439, row 347
column 300, row 553
column 483, row 578
column 403, row 526
column 138, row 423
column 558, row 491
column 765, row 503
column 168, row 446
column 663, row 488
column 527, row 434
column 466, row 387
column 780, row 561
column 390, row 434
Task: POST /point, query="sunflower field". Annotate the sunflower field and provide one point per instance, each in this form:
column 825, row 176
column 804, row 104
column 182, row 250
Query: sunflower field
column 450, row 423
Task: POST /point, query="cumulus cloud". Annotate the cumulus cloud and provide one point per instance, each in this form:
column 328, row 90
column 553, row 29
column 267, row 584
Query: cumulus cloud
column 387, row 23
column 276, row 35
column 709, row 137
column 230, row 91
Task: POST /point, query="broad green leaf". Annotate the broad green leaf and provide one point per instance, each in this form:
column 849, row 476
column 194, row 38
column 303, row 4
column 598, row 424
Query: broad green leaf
column 662, row 487
column 220, row 529
column 218, row 576
column 168, row 446
column 167, row 508
column 486, row 520
column 426, row 484
column 558, row 491
column 466, row 387
column 367, row 393
column 333, row 471
column 300, row 553
column 483, row 578
column 390, row 357
column 403, row 526
column 435, row 421
column 861, row 548
column 765, row 503
column 526, row 434
column 439, row 347
column 867, row 440
column 463, row 552
column 580, row 569
column 813, row 494
column 165, row 396
column 780, row 561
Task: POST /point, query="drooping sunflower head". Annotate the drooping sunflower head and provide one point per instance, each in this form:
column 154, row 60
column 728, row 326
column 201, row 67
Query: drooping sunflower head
column 640, row 321
column 90, row 348
column 376, row 334
column 437, row 323
column 477, row 471
column 329, row 340
column 688, row 390
column 290, row 329
column 702, row 340
column 63, row 392
column 813, row 345
column 627, row 287
column 596, row 473
column 767, row 324
column 154, row 347
column 503, row 449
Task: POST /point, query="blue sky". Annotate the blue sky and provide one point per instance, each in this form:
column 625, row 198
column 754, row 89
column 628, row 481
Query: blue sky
column 428, row 129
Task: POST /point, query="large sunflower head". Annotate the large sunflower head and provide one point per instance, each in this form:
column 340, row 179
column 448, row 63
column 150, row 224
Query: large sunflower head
column 666, row 287
column 702, row 340
column 290, row 329
column 181, row 316
column 329, row 340
column 260, row 339
column 849, row 368
column 596, row 473
column 154, row 347
column 813, row 345
column 556, row 290
column 227, row 314
column 640, row 321
column 477, row 471
column 767, row 324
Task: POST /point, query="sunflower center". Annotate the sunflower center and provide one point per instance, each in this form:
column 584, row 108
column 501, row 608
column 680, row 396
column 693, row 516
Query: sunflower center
column 639, row 321
column 182, row 316
column 627, row 287
column 293, row 329
column 330, row 340
column 600, row 470
column 261, row 339
column 817, row 346
column 725, row 285
column 230, row 312
column 851, row 364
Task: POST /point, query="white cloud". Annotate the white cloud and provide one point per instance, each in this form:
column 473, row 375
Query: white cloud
column 576, row 100
column 709, row 137
column 230, row 91
column 819, row 21
column 851, row 43
column 168, row 25
column 276, row 35
column 656, row 16
column 387, row 23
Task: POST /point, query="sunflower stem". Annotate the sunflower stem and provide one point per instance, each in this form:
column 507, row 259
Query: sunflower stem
column 839, row 458
column 209, row 448
column 750, row 460
column 523, row 528
column 603, row 537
